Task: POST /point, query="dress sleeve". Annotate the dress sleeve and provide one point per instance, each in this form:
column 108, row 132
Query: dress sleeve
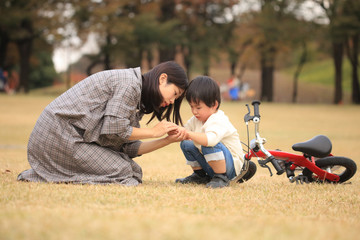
column 113, row 141
column 131, row 148
column 120, row 112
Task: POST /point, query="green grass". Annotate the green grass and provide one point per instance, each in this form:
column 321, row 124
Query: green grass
column 263, row 208
column 323, row 72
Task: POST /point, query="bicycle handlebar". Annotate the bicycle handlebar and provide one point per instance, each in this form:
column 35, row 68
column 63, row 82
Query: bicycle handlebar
column 270, row 158
column 279, row 170
column 256, row 108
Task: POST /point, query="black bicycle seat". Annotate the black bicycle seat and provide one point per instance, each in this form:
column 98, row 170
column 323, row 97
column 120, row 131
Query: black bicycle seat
column 319, row 146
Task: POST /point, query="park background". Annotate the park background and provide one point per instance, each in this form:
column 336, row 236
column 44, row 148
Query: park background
column 275, row 46
column 288, row 51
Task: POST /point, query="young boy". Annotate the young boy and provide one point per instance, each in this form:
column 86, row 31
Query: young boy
column 213, row 148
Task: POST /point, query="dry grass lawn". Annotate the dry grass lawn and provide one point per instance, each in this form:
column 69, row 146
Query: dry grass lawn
column 263, row 208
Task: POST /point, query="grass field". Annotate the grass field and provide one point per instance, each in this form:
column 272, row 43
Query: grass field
column 263, row 208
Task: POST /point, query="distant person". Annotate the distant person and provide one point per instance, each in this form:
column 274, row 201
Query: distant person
column 13, row 82
column 234, row 88
column 90, row 133
column 213, row 149
column 3, row 80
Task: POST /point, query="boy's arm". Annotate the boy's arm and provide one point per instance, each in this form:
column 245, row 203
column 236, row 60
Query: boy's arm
column 186, row 134
column 199, row 138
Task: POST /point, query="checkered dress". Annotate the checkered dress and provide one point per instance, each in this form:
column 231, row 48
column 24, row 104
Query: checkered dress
column 81, row 137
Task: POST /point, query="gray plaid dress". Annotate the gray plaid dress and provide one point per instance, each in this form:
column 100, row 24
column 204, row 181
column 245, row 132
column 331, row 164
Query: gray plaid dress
column 81, row 137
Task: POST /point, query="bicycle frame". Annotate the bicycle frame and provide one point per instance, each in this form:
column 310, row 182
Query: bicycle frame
column 296, row 160
column 258, row 150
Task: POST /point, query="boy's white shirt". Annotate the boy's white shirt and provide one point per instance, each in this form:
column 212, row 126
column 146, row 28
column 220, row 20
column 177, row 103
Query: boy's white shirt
column 218, row 128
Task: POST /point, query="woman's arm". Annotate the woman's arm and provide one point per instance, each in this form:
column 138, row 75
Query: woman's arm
column 150, row 146
column 153, row 145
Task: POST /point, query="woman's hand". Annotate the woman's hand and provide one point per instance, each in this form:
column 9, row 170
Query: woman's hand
column 163, row 127
column 159, row 130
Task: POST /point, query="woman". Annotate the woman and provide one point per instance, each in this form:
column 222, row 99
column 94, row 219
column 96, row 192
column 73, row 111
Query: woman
column 91, row 132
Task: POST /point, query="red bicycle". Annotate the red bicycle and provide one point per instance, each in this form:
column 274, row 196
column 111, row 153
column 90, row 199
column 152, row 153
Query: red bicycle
column 316, row 163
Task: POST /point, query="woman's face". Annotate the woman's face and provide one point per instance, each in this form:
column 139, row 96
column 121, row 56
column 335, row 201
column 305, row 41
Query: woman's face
column 169, row 92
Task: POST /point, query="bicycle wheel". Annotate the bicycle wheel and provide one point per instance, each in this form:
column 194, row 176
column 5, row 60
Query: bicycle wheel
column 250, row 173
column 344, row 167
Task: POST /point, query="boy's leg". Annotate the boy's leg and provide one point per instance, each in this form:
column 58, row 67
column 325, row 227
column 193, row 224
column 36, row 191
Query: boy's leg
column 197, row 162
column 221, row 161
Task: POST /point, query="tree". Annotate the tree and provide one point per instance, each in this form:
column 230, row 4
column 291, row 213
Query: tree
column 21, row 22
column 109, row 20
column 297, row 72
column 305, row 32
column 351, row 22
column 203, row 24
column 42, row 72
column 334, row 10
column 272, row 25
column 236, row 41
column 167, row 45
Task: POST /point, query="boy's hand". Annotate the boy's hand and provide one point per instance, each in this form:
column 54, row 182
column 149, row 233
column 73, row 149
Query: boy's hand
column 183, row 133
column 177, row 135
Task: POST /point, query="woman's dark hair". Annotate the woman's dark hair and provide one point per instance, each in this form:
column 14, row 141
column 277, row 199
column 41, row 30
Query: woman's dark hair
column 150, row 94
column 203, row 89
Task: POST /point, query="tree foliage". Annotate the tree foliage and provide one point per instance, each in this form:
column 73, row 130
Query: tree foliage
column 22, row 22
column 131, row 32
column 344, row 22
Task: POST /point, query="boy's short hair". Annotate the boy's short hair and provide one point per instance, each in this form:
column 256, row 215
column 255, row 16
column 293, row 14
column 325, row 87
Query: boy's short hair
column 205, row 89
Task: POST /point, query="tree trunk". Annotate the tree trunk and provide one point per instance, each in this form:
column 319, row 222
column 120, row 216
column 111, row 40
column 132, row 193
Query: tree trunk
column 233, row 59
column 24, row 43
column 297, row 73
column 149, row 58
column 68, row 77
column 232, row 68
column 167, row 54
column 167, row 7
column 338, row 49
column 206, row 62
column 4, row 40
column 107, row 64
column 355, row 95
column 267, row 79
column 187, row 53
column 267, row 74
column 25, row 48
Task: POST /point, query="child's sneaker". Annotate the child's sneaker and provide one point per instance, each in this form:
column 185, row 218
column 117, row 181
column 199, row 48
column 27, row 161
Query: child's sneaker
column 218, row 181
column 193, row 178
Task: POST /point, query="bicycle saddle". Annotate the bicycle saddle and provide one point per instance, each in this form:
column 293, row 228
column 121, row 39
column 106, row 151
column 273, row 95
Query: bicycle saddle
column 319, row 146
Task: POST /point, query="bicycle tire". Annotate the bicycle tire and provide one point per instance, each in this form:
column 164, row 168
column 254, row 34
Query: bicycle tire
column 332, row 161
column 250, row 173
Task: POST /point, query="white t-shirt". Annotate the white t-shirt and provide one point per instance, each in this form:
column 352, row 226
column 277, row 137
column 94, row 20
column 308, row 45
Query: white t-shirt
column 218, row 128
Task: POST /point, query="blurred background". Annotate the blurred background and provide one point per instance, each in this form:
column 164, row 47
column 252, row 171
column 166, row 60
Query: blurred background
column 302, row 51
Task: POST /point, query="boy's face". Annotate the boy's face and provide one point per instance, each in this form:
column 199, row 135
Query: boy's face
column 201, row 111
